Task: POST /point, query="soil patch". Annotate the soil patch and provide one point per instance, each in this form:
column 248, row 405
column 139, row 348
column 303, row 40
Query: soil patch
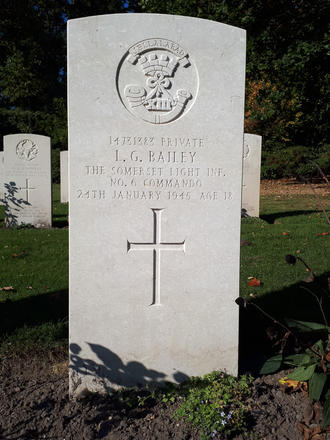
column 35, row 405
column 293, row 187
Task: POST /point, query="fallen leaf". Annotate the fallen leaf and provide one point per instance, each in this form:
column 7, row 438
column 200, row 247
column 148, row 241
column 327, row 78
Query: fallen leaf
column 29, row 287
column 297, row 251
column 294, row 384
column 322, row 234
column 284, row 233
column 254, row 282
column 22, row 254
column 328, row 357
column 252, row 295
column 245, row 243
column 7, row 288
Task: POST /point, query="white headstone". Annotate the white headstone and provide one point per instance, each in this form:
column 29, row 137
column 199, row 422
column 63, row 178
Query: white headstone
column 251, row 175
column 64, row 176
column 27, row 180
column 156, row 108
column 2, row 178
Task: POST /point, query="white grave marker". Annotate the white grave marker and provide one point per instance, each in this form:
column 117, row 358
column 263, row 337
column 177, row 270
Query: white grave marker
column 251, row 175
column 27, row 180
column 156, row 107
column 64, row 176
column 2, row 178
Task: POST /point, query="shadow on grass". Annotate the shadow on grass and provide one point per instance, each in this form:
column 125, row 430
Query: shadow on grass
column 270, row 218
column 35, row 310
column 258, row 335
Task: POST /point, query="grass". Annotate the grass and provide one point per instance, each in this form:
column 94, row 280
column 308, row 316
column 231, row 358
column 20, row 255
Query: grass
column 285, row 227
column 35, row 263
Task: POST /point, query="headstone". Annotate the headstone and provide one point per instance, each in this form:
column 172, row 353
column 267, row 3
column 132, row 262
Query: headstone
column 156, row 108
column 64, row 176
column 251, row 175
column 2, row 178
column 28, row 198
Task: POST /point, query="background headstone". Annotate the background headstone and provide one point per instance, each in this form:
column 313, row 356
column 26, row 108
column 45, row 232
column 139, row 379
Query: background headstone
column 64, row 176
column 251, row 175
column 2, row 178
column 156, row 107
column 27, row 180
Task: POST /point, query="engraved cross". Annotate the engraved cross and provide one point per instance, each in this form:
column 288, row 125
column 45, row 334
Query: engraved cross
column 27, row 188
column 157, row 247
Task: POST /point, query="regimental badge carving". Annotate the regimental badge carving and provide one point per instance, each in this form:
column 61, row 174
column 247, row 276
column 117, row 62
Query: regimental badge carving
column 246, row 151
column 157, row 81
column 26, row 149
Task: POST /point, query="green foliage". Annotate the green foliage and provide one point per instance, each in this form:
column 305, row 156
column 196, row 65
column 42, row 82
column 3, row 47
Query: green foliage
column 272, row 364
column 313, row 365
column 33, row 63
column 287, row 87
column 56, row 165
column 214, row 404
column 291, row 162
column 47, row 335
column 288, row 84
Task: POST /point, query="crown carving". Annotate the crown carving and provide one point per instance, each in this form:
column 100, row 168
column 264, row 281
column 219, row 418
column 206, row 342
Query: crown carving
column 158, row 63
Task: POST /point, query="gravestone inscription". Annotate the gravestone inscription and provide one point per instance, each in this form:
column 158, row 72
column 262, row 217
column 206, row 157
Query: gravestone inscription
column 64, row 176
column 27, row 180
column 251, row 175
column 156, row 107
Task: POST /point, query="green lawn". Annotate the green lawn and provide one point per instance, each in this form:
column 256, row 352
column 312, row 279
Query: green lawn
column 35, row 264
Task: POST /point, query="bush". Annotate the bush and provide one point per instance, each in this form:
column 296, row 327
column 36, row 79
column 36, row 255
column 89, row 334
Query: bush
column 214, row 403
column 56, row 175
column 293, row 162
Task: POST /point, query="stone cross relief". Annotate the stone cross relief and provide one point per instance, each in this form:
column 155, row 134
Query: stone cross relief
column 157, row 246
column 27, row 188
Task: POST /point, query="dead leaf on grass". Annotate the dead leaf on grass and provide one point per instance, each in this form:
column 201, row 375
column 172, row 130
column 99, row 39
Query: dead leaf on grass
column 20, row 255
column 284, row 233
column 321, row 234
column 254, row 282
column 7, row 288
